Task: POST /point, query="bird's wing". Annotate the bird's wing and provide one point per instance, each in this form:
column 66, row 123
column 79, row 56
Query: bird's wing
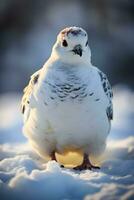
column 28, row 100
column 109, row 93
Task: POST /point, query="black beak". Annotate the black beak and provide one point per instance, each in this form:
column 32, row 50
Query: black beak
column 78, row 50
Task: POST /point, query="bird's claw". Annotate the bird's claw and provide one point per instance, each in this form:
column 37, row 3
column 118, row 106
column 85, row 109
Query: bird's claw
column 86, row 166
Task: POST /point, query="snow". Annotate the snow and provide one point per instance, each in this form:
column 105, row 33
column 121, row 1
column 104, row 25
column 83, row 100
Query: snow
column 24, row 175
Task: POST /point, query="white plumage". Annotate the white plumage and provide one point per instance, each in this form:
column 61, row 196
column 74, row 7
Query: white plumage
column 67, row 104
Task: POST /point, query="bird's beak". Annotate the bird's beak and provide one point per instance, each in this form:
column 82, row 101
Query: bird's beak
column 78, row 50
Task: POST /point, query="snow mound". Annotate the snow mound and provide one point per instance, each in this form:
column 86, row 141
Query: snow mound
column 22, row 177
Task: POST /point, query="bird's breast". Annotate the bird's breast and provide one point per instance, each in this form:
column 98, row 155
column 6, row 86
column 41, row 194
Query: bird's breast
column 68, row 92
column 67, row 86
column 74, row 107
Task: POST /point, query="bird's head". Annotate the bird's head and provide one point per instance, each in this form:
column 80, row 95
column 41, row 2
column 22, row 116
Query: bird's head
column 72, row 44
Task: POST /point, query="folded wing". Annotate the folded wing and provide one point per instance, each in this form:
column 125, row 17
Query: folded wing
column 28, row 99
column 109, row 93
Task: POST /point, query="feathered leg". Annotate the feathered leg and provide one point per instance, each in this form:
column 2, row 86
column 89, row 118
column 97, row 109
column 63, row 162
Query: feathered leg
column 86, row 164
column 53, row 157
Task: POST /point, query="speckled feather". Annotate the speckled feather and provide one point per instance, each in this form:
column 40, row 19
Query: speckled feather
column 108, row 91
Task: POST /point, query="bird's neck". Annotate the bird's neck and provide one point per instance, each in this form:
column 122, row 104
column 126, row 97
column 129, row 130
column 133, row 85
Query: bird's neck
column 71, row 59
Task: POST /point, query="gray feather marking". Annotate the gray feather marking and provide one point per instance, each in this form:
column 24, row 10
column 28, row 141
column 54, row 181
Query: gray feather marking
column 108, row 91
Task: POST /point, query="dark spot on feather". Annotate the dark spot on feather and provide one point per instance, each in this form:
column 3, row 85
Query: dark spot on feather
column 52, row 98
column 35, row 80
column 61, row 96
column 97, row 99
column 28, row 102
column 75, row 32
column 105, row 89
column 86, row 42
column 105, row 77
column 109, row 113
column 101, row 76
column 91, row 94
column 74, row 97
column 23, row 109
column 104, row 84
column 76, row 89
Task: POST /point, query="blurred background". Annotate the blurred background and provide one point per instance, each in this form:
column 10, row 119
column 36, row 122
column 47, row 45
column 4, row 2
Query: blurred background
column 28, row 30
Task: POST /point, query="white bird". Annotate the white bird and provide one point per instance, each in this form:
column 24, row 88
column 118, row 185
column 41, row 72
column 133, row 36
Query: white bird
column 67, row 105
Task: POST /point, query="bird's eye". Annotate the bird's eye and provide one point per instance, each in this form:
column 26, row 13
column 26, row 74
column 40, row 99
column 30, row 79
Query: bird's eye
column 86, row 43
column 64, row 43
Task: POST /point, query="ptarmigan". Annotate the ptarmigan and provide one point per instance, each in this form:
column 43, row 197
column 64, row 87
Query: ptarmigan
column 67, row 105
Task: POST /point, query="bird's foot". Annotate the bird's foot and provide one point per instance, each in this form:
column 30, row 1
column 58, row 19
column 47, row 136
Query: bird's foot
column 86, row 164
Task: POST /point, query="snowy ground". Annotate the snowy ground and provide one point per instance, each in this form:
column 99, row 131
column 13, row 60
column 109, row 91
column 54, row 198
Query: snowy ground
column 23, row 175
